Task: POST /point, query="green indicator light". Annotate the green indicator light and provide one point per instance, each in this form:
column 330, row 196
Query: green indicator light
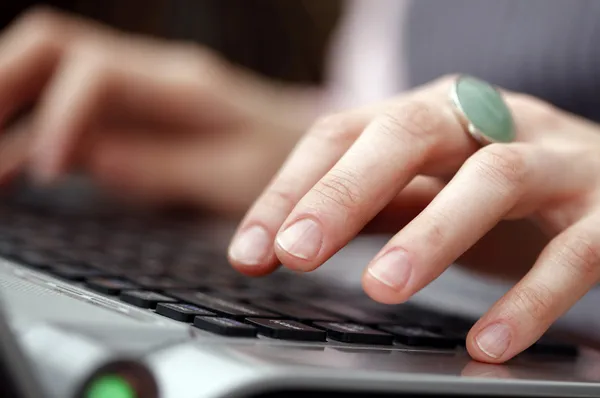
column 110, row 386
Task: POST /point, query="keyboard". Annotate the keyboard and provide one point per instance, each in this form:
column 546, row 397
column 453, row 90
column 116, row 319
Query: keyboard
column 160, row 264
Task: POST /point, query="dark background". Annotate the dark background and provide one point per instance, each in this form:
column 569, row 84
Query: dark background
column 283, row 39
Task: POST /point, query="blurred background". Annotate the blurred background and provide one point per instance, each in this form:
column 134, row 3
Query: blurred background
column 286, row 40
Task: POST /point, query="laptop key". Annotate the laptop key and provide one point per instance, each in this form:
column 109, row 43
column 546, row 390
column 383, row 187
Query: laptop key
column 181, row 312
column 75, row 273
column 349, row 312
column 161, row 283
column 144, row 298
column 546, row 346
column 7, row 247
column 35, row 258
column 246, row 295
column 419, row 337
column 222, row 306
column 225, row 327
column 110, row 286
column 353, row 333
column 287, row 330
column 459, row 337
column 297, row 311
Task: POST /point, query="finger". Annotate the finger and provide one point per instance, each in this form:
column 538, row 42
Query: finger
column 486, row 371
column 101, row 77
column 154, row 169
column 158, row 166
column 498, row 182
column 14, row 149
column 251, row 250
column 29, row 52
column 419, row 135
column 408, row 204
column 567, row 269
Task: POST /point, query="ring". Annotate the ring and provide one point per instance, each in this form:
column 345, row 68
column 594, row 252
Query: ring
column 482, row 110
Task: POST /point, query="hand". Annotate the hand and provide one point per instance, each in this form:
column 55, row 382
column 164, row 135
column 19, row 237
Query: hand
column 410, row 156
column 156, row 120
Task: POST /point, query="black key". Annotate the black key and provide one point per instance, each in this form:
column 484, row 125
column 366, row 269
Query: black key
column 249, row 295
column 161, row 283
column 458, row 324
column 129, row 272
column 459, row 337
column 7, row 247
column 353, row 333
column 144, row 298
column 419, row 337
column 348, row 312
column 296, row 311
column 110, row 286
column 222, row 306
column 224, row 284
column 287, row 330
column 436, row 322
column 546, row 346
column 181, row 312
column 34, row 258
column 75, row 273
column 224, row 326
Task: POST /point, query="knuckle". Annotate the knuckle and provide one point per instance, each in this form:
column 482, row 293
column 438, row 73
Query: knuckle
column 434, row 235
column 88, row 67
column 448, row 78
column 445, row 81
column 504, row 165
column 192, row 63
column 530, row 103
column 536, row 112
column 42, row 21
column 581, row 255
column 533, row 300
column 203, row 56
column 92, row 57
column 336, row 130
column 40, row 27
column 82, row 50
column 341, row 188
column 412, row 122
column 42, row 16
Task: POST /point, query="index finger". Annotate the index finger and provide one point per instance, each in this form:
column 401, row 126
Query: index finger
column 29, row 51
column 419, row 135
column 325, row 211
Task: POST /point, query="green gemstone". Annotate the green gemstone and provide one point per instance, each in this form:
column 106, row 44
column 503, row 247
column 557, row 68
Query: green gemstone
column 484, row 107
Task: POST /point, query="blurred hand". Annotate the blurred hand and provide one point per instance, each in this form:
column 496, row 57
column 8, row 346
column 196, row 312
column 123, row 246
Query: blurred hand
column 411, row 157
column 152, row 120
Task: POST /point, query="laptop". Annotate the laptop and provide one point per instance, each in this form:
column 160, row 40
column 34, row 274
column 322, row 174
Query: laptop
column 17, row 379
column 136, row 304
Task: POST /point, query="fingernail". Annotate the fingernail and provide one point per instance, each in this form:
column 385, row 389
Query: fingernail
column 302, row 239
column 251, row 247
column 494, row 340
column 393, row 269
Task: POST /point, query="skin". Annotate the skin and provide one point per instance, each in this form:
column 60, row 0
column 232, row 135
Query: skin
column 117, row 106
column 164, row 122
column 416, row 145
